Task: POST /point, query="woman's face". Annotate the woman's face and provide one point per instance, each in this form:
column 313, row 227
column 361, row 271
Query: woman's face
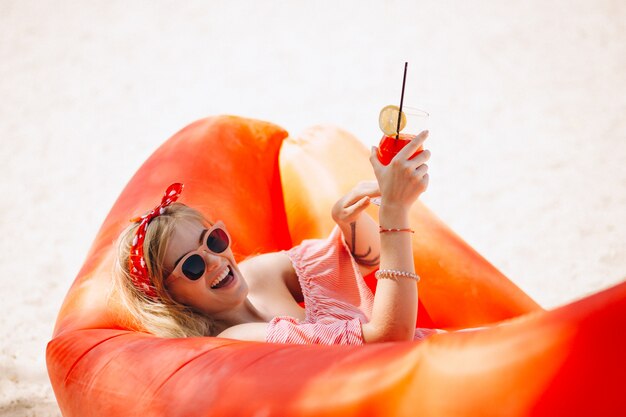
column 221, row 287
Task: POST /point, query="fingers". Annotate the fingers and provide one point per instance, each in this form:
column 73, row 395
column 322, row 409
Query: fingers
column 360, row 191
column 421, row 171
column 412, row 146
column 362, row 203
column 420, row 159
column 366, row 188
column 376, row 164
column 358, row 206
column 367, row 184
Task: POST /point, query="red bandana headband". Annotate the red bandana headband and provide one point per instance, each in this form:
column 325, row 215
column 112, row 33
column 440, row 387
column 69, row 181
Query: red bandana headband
column 136, row 261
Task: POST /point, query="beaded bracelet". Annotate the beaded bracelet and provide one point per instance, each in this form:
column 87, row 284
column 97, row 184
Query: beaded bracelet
column 393, row 274
column 382, row 230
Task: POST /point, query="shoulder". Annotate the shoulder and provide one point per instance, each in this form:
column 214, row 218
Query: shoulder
column 252, row 332
column 272, row 260
column 267, row 270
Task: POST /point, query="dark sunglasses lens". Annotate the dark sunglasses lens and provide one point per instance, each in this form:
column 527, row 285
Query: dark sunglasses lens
column 193, row 267
column 217, row 241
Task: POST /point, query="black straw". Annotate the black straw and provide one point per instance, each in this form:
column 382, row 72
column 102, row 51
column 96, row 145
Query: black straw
column 401, row 101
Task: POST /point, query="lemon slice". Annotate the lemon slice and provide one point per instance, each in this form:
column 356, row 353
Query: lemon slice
column 388, row 120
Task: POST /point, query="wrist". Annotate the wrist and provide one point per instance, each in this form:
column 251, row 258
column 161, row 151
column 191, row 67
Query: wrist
column 394, row 205
column 393, row 217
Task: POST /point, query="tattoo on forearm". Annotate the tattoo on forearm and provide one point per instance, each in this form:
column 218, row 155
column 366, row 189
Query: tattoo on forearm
column 361, row 259
column 368, row 262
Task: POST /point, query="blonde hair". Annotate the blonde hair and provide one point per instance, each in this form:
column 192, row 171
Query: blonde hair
column 162, row 316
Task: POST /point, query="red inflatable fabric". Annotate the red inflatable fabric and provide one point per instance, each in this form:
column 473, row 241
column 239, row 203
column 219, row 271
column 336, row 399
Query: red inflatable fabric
column 564, row 362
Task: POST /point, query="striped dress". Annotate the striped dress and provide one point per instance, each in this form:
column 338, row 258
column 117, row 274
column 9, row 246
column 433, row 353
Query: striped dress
column 337, row 300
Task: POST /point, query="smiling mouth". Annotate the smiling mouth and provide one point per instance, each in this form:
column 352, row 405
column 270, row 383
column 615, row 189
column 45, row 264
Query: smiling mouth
column 223, row 279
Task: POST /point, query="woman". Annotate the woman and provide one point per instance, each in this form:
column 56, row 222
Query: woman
column 178, row 277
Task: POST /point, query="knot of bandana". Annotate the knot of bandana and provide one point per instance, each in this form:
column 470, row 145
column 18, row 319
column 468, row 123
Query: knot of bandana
column 136, row 261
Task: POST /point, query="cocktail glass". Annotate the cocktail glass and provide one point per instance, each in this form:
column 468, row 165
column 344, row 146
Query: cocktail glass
column 389, row 146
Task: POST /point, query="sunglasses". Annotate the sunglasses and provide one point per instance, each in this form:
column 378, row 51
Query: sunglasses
column 192, row 265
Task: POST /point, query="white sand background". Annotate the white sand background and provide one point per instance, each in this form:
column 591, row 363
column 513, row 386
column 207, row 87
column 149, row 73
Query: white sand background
column 528, row 127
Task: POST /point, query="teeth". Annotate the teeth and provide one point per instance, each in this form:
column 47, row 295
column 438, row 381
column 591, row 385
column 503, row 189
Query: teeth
column 220, row 277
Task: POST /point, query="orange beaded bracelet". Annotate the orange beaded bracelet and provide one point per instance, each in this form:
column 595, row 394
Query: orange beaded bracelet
column 383, row 230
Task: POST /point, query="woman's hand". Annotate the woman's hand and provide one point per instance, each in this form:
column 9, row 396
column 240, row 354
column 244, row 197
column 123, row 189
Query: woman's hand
column 359, row 230
column 403, row 180
column 348, row 208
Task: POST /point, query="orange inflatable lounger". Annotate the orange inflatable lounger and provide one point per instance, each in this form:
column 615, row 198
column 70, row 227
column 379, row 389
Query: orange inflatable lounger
column 273, row 191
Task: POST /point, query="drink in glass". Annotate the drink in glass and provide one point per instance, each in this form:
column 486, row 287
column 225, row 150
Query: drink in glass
column 413, row 121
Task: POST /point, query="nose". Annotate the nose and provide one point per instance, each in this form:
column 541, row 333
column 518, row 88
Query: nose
column 212, row 261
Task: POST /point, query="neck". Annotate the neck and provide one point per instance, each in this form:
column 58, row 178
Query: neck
column 244, row 313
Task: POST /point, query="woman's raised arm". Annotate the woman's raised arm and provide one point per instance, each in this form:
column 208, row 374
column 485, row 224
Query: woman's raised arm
column 395, row 303
column 359, row 230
